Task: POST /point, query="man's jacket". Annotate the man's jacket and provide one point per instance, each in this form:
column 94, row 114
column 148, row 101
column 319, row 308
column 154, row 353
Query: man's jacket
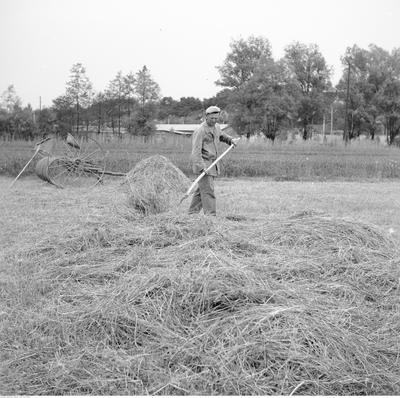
column 204, row 147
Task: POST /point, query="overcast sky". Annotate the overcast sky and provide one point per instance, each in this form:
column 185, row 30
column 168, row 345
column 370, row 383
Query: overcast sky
column 181, row 42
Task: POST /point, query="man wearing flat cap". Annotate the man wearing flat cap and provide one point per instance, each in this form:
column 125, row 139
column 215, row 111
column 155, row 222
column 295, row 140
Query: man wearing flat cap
column 204, row 152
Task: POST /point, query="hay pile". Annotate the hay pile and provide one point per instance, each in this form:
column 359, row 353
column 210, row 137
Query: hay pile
column 179, row 305
column 155, row 185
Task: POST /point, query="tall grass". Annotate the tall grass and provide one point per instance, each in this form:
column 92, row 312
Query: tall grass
column 298, row 160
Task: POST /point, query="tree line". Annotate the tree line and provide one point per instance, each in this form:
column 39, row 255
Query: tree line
column 259, row 95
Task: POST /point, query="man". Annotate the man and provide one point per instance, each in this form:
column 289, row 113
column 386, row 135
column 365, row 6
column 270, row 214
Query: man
column 204, row 152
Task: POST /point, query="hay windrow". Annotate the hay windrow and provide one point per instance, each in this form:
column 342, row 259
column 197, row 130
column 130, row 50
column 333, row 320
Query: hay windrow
column 155, row 185
column 172, row 304
column 319, row 232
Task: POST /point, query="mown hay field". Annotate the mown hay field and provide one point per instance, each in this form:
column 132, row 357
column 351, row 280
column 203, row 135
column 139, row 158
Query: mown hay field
column 292, row 289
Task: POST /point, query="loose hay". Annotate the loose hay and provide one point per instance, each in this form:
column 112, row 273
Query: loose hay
column 172, row 305
column 155, row 185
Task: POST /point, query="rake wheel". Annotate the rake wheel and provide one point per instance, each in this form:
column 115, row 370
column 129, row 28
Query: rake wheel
column 77, row 163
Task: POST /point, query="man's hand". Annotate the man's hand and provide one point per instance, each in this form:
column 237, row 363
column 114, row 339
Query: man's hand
column 235, row 141
column 204, row 171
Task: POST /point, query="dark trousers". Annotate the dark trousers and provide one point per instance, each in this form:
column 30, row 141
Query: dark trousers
column 204, row 197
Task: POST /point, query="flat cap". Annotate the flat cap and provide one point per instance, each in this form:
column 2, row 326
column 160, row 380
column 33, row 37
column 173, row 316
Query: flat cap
column 212, row 109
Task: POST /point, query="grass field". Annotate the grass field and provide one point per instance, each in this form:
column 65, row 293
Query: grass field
column 292, row 289
column 300, row 161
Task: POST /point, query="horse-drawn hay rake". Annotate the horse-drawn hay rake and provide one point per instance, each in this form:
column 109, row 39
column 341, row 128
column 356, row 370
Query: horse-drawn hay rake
column 71, row 162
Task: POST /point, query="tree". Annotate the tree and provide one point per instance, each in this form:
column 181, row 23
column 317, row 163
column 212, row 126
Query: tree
column 168, row 107
column 388, row 100
column 129, row 91
column 46, row 121
column 188, row 105
column 5, row 125
column 265, row 103
column 222, row 99
column 352, row 89
column 369, row 87
column 241, row 62
column 15, row 121
column 309, row 69
column 116, row 94
column 63, row 106
column 97, row 110
column 10, row 101
column 79, row 90
column 147, row 92
column 146, row 89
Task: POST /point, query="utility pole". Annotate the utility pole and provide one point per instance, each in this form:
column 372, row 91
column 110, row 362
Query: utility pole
column 346, row 132
column 99, row 117
column 40, row 110
column 77, row 115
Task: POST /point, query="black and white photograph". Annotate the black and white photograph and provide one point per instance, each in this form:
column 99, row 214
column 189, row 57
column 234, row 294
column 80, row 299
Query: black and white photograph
column 199, row 198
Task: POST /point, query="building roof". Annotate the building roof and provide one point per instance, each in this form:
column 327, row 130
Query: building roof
column 183, row 129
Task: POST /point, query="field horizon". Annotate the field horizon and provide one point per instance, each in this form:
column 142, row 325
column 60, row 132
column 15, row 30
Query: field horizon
column 311, row 160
